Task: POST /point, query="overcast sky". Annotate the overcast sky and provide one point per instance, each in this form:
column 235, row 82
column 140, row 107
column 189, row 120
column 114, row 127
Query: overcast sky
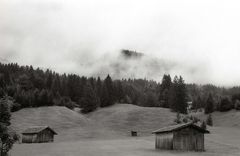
column 197, row 39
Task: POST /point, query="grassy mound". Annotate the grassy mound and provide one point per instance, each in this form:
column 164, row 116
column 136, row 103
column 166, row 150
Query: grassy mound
column 111, row 122
column 125, row 117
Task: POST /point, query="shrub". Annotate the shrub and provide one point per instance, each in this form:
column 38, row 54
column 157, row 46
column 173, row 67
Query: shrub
column 195, row 119
column 67, row 102
column 237, row 105
column 185, row 120
column 209, row 120
column 178, row 118
column 15, row 107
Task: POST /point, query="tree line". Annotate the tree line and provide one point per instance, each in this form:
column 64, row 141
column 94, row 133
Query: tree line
column 35, row 87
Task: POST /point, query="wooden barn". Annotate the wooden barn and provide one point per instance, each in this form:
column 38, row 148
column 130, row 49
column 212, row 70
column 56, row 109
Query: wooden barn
column 38, row 134
column 187, row 137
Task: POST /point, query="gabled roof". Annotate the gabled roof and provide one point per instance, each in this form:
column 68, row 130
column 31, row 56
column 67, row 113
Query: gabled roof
column 178, row 127
column 37, row 129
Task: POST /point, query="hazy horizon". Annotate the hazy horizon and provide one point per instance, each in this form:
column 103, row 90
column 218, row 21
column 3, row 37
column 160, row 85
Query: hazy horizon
column 198, row 40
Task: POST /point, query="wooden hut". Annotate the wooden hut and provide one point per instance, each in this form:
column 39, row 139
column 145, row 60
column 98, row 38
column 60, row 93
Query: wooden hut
column 38, row 134
column 188, row 137
column 134, row 133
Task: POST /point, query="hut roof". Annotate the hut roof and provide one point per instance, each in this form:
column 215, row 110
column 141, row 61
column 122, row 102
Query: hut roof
column 37, row 129
column 178, row 127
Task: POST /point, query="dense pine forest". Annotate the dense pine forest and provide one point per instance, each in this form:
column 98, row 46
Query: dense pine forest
column 26, row 86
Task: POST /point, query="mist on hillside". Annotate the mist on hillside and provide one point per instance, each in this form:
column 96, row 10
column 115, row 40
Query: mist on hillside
column 86, row 38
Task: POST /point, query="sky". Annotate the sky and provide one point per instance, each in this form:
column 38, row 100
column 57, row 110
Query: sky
column 196, row 39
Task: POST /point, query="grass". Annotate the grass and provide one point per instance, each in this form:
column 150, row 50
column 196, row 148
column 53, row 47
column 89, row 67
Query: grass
column 107, row 132
column 124, row 118
column 139, row 146
column 223, row 119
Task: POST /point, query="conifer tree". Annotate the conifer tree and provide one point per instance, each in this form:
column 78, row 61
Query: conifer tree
column 197, row 103
column 99, row 86
column 173, row 100
column 165, row 90
column 49, row 80
column 178, row 95
column 56, row 85
column 182, row 96
column 107, row 97
column 119, row 93
column 209, row 104
column 105, row 100
column 90, row 100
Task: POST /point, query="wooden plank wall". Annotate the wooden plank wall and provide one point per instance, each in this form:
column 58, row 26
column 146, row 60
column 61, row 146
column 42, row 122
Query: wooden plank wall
column 44, row 136
column 29, row 138
column 188, row 139
column 164, row 141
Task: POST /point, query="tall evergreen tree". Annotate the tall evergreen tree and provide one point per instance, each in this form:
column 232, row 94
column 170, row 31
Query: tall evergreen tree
column 49, row 80
column 99, row 86
column 182, row 106
column 107, row 96
column 178, row 95
column 197, row 103
column 105, row 100
column 209, row 104
column 165, row 90
column 119, row 93
column 90, row 100
column 56, row 85
column 173, row 100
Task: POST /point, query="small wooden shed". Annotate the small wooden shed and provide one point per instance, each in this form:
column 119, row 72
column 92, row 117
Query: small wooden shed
column 38, row 134
column 187, row 137
column 134, row 133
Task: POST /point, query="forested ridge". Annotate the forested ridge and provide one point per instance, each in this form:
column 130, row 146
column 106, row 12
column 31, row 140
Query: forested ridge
column 27, row 86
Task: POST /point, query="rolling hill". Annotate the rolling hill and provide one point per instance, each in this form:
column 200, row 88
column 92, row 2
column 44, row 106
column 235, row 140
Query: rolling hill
column 110, row 122
column 124, row 118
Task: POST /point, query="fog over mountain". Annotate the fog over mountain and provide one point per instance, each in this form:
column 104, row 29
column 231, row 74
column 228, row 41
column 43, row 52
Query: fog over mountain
column 197, row 40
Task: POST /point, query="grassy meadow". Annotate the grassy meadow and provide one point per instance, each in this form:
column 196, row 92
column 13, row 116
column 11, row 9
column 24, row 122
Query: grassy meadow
column 107, row 132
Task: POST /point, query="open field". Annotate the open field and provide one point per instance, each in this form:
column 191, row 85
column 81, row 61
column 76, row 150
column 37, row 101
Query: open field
column 106, row 132
column 217, row 144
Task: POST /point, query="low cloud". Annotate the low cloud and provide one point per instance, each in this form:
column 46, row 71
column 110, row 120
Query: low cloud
column 196, row 40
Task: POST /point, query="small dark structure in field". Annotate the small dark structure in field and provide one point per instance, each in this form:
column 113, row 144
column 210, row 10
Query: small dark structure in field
column 38, row 134
column 188, row 137
column 134, row 133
